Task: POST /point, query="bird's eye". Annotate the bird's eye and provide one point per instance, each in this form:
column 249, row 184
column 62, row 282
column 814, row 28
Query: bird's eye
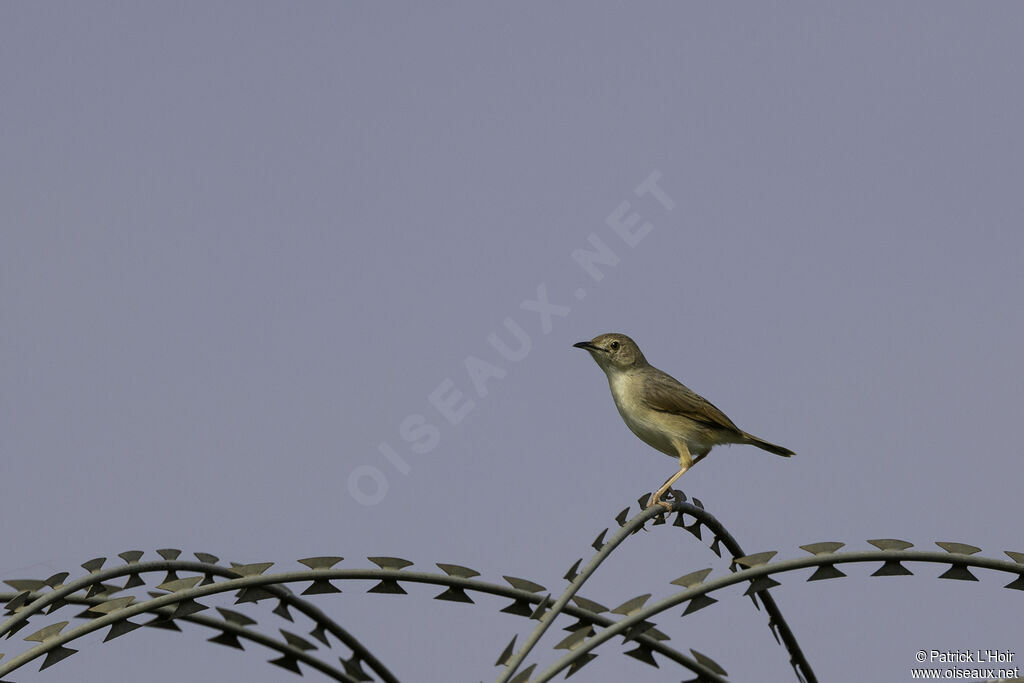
column 614, row 345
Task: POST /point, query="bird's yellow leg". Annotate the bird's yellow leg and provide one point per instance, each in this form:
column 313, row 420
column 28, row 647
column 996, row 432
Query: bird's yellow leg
column 685, row 460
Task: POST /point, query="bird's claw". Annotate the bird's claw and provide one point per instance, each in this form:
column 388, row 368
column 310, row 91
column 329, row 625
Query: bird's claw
column 662, row 503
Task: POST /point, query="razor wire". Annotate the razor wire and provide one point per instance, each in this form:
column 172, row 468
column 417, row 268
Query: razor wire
column 179, row 598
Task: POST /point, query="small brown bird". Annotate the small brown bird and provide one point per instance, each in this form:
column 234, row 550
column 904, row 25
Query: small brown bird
column 663, row 412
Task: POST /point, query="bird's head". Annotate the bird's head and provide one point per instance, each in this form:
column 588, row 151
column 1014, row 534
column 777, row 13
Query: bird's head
column 614, row 352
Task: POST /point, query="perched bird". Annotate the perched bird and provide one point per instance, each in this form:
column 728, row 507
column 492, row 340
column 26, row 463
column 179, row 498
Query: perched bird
column 663, row 412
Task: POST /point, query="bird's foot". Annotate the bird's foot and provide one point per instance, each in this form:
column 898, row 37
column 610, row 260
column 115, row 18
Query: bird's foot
column 656, row 500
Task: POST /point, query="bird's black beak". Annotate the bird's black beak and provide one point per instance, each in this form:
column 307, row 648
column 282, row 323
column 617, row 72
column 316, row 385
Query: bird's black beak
column 585, row 345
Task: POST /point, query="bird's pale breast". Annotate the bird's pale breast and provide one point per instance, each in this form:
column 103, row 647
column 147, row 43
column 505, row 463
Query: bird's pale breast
column 657, row 428
column 649, row 425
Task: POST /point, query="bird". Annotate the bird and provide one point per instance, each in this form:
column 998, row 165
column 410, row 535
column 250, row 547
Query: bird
column 662, row 411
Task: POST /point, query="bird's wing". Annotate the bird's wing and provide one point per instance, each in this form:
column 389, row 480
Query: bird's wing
column 666, row 395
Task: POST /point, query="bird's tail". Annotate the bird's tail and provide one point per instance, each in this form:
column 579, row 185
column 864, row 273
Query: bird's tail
column 764, row 445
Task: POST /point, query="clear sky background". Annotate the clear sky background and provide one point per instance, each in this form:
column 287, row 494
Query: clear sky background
column 243, row 242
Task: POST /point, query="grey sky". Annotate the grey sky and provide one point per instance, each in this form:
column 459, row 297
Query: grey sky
column 243, row 242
